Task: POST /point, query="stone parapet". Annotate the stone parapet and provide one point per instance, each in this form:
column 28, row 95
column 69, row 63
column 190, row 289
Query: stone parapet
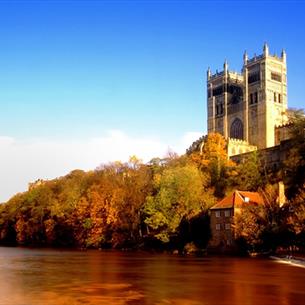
column 237, row 147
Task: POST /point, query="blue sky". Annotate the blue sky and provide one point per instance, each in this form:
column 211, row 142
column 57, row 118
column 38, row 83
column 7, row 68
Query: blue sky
column 73, row 73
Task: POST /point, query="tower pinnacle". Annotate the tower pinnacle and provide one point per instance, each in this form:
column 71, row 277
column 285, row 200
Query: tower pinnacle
column 266, row 49
column 225, row 66
column 283, row 54
column 208, row 73
column 245, row 57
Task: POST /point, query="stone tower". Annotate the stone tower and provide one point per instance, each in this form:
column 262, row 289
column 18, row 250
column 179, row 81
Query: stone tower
column 246, row 107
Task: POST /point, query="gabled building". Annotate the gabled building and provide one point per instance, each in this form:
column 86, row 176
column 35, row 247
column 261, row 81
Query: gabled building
column 222, row 217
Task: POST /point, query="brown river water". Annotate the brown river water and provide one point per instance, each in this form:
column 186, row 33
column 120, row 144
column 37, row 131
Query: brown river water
column 45, row 277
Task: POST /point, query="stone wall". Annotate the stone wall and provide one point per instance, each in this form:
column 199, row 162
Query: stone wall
column 271, row 158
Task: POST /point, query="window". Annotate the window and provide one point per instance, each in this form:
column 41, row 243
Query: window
column 236, row 130
column 218, row 226
column 229, row 242
column 219, row 109
column 217, row 213
column 234, row 89
column 251, row 99
column 276, row 76
column 279, row 100
column 254, row 77
column 217, row 91
column 227, row 213
column 228, row 226
column 237, row 94
column 255, row 98
column 274, row 96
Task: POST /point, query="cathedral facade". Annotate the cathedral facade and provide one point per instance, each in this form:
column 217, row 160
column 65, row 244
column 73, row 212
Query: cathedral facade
column 249, row 108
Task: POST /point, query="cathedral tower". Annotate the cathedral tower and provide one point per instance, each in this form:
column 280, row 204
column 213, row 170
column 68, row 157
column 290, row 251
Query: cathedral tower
column 249, row 105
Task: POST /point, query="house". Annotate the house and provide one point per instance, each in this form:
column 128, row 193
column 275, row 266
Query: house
column 222, row 217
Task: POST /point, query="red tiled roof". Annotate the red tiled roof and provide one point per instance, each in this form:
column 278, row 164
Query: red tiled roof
column 238, row 198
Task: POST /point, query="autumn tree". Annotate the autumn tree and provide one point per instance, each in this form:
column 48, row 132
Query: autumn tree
column 180, row 194
column 212, row 158
column 249, row 225
column 294, row 165
column 137, row 185
column 296, row 218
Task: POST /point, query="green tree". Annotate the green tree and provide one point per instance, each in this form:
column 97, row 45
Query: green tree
column 179, row 195
column 249, row 175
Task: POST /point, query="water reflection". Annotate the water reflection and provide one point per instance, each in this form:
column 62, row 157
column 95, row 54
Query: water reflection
column 113, row 278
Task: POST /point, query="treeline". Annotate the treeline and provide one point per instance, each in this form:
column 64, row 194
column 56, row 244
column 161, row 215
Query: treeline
column 122, row 205
column 163, row 204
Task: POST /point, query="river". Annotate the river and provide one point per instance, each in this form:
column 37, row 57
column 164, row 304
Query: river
column 60, row 277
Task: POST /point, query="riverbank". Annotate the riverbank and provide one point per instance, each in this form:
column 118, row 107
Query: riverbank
column 291, row 260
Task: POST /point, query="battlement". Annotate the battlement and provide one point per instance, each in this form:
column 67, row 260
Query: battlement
column 217, row 74
column 238, row 146
column 235, row 75
column 279, row 58
column 231, row 74
column 237, row 141
column 259, row 57
column 286, row 125
column 255, row 58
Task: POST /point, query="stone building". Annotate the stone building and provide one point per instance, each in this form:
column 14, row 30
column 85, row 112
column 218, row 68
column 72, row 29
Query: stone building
column 222, row 217
column 248, row 108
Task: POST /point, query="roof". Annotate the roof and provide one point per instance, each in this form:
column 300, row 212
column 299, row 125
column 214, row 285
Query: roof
column 238, row 198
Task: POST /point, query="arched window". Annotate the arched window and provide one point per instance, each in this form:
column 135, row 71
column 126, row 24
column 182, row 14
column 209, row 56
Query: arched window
column 236, row 130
